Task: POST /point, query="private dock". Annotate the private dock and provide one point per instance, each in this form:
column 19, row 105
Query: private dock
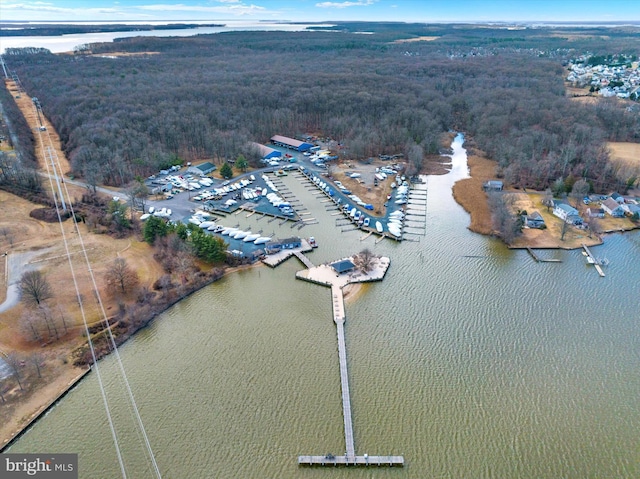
column 542, row 260
column 591, row 259
column 326, row 275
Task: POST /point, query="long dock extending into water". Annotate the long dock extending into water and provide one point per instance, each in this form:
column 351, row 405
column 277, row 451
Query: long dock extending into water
column 326, row 275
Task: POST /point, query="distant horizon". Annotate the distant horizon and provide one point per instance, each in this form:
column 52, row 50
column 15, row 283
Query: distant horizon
column 317, row 11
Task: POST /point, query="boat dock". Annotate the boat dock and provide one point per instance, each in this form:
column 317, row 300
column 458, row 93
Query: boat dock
column 542, row 260
column 366, row 460
column 281, row 256
column 593, row 260
column 326, row 275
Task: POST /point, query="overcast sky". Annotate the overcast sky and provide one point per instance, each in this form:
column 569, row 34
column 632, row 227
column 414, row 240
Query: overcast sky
column 318, row 10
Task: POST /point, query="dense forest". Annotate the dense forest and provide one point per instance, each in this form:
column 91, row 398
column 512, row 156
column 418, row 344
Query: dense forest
column 208, row 96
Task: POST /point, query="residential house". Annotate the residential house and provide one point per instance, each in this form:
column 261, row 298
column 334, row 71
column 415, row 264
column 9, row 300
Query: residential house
column 534, row 220
column 618, row 198
column 612, row 207
column 631, row 208
column 567, row 213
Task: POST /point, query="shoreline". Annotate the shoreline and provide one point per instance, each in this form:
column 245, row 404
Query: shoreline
column 42, row 410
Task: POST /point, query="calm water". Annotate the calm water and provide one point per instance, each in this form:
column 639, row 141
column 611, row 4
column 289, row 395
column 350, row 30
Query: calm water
column 469, row 359
column 66, row 43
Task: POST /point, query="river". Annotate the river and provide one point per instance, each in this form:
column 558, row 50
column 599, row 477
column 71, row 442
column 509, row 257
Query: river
column 469, row 359
column 67, row 43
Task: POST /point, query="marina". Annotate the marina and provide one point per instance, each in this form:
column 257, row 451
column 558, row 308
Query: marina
column 460, row 374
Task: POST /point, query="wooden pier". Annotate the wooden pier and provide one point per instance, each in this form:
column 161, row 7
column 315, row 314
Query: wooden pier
column 593, row 260
column 325, row 275
column 542, row 260
column 366, row 460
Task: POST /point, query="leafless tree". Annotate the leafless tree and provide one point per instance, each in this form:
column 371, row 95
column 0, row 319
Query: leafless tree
column 120, row 277
column 504, row 220
column 34, row 288
column 365, row 260
column 7, row 234
column 37, row 358
column 29, row 324
column 14, row 362
column 547, row 200
column 579, row 191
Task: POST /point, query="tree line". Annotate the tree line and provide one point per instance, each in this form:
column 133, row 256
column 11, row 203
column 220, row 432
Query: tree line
column 208, row 96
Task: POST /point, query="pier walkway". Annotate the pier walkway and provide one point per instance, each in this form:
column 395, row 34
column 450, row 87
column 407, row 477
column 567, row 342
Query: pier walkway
column 593, row 260
column 326, row 276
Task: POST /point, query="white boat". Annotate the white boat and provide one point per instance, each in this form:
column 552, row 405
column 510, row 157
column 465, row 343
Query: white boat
column 379, row 227
column 401, row 202
column 396, row 214
column 145, row 216
column 352, row 213
column 366, row 221
column 194, row 221
column 251, row 238
column 216, row 229
column 229, row 231
column 151, row 209
column 207, row 224
column 394, row 230
column 262, row 240
column 241, row 234
column 355, row 175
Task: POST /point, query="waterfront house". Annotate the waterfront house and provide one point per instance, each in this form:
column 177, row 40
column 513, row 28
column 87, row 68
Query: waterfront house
column 612, row 207
column 534, row 220
column 567, row 213
column 595, row 212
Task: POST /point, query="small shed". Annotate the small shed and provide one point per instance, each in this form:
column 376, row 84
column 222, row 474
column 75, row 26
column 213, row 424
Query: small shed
column 493, row 185
column 343, row 266
column 202, row 169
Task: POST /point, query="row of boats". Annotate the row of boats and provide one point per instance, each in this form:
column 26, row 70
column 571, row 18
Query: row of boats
column 200, row 220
